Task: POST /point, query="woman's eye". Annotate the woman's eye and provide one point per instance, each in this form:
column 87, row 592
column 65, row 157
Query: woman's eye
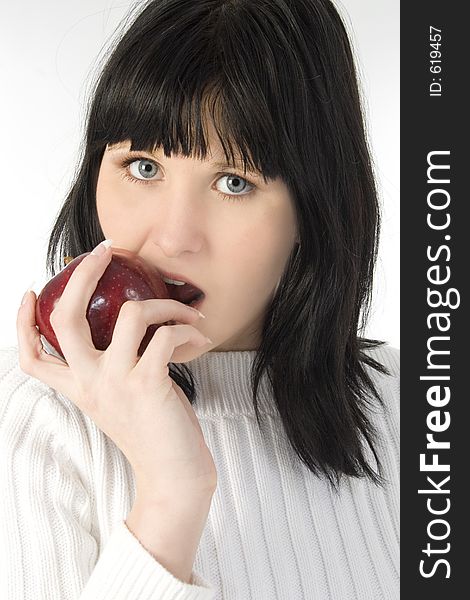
column 236, row 185
column 143, row 168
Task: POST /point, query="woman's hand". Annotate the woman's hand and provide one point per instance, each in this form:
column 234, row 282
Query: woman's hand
column 134, row 401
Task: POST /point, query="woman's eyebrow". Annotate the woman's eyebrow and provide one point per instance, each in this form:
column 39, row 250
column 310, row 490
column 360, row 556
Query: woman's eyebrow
column 238, row 164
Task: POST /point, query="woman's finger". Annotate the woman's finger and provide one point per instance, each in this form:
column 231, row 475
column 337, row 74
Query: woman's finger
column 68, row 318
column 154, row 361
column 133, row 320
column 33, row 359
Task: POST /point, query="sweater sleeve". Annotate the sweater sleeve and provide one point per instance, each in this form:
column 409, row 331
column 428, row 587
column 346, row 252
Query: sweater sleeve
column 49, row 549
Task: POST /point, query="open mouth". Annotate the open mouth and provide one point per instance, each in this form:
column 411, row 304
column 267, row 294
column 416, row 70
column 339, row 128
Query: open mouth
column 186, row 293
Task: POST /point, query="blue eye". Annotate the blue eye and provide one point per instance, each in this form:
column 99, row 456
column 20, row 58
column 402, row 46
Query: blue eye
column 143, row 170
column 146, row 169
column 238, row 183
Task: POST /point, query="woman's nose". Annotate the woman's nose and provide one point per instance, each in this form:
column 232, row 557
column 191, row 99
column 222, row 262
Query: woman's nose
column 178, row 225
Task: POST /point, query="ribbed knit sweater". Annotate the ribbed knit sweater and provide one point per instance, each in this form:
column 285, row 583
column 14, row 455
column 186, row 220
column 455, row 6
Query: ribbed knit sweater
column 275, row 531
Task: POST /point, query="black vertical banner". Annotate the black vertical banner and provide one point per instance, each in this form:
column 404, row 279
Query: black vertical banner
column 435, row 267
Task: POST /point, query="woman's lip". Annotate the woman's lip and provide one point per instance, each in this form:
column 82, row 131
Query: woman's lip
column 178, row 277
column 198, row 303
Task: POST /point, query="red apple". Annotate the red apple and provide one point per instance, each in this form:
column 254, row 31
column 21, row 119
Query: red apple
column 127, row 277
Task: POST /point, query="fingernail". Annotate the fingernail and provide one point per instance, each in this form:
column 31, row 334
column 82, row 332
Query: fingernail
column 25, row 297
column 196, row 311
column 30, row 287
column 209, row 341
column 101, row 247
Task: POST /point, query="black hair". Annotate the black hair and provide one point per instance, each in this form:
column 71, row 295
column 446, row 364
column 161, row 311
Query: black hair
column 278, row 81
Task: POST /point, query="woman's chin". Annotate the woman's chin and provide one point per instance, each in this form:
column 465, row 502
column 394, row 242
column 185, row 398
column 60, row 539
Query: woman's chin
column 188, row 352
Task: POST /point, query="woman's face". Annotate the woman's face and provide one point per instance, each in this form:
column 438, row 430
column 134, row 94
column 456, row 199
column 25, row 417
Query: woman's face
column 172, row 212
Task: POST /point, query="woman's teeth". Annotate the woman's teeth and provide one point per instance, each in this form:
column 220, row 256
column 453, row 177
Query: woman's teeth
column 173, row 281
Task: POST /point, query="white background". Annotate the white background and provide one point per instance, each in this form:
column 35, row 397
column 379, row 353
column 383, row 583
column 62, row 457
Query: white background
column 49, row 53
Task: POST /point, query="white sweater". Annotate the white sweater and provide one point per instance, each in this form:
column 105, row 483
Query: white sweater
column 274, row 531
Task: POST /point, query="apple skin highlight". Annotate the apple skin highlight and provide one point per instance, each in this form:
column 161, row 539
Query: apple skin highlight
column 127, row 277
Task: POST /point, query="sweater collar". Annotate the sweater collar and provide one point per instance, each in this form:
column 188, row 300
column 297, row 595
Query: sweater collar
column 223, row 384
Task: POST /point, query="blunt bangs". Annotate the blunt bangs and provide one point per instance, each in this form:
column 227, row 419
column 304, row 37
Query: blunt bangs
column 158, row 94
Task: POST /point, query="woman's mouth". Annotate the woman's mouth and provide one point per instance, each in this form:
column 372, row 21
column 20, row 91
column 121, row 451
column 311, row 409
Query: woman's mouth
column 184, row 292
column 197, row 302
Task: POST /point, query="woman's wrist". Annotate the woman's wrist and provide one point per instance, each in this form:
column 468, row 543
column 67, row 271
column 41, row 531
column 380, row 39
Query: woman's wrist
column 170, row 531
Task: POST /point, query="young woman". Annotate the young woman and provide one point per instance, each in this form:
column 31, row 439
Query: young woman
column 252, row 453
